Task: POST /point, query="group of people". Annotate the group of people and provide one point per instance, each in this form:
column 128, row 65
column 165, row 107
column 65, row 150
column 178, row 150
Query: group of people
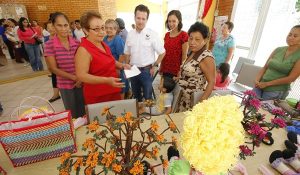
column 90, row 66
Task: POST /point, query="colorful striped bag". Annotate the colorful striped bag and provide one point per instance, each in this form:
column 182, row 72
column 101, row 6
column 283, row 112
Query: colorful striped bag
column 40, row 138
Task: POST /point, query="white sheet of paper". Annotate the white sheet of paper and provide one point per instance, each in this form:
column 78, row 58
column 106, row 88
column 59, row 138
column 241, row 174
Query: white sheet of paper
column 134, row 71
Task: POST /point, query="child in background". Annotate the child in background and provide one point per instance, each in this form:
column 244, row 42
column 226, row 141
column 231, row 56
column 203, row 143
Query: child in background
column 164, row 104
column 222, row 78
column 166, row 96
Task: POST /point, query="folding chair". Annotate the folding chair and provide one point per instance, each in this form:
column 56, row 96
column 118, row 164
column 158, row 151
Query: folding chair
column 118, row 107
column 245, row 78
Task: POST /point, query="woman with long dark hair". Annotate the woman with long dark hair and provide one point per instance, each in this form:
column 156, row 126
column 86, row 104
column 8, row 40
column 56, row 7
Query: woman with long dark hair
column 29, row 36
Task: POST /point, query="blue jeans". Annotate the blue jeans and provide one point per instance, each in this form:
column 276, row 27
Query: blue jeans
column 34, row 54
column 270, row 95
column 124, row 80
column 143, row 81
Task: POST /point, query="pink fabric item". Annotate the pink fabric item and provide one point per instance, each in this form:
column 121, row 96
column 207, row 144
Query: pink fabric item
column 241, row 168
column 264, row 170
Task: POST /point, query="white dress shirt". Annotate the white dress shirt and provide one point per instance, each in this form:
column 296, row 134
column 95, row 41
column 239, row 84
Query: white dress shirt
column 79, row 34
column 142, row 47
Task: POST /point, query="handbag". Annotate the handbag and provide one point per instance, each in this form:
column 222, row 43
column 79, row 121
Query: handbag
column 37, row 40
column 39, row 138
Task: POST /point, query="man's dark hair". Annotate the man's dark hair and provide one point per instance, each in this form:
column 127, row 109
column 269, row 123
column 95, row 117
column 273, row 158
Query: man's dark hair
column 142, row 8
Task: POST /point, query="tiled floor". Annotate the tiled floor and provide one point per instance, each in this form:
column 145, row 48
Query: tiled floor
column 12, row 70
column 11, row 94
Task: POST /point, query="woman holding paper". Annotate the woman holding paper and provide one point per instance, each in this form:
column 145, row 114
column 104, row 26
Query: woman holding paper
column 94, row 63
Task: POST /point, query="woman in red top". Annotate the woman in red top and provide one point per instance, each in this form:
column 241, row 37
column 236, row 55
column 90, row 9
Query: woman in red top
column 175, row 44
column 95, row 65
column 27, row 34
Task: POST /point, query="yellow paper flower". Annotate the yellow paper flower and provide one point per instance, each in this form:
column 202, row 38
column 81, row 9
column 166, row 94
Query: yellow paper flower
column 212, row 135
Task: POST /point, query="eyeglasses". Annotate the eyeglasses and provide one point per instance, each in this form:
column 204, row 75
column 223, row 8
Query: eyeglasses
column 98, row 29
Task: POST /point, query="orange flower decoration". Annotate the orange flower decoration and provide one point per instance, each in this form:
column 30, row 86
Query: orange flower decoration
column 93, row 126
column 105, row 111
column 89, row 144
column 128, row 117
column 160, row 138
column 172, row 126
column 64, row 157
column 117, row 168
column 155, row 151
column 137, row 168
column 108, row 158
column 64, row 172
column 165, row 163
column 154, row 126
column 120, row 119
column 92, row 159
column 148, row 155
column 78, row 163
column 88, row 171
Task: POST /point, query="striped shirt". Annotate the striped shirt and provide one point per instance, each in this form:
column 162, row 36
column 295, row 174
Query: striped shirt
column 65, row 59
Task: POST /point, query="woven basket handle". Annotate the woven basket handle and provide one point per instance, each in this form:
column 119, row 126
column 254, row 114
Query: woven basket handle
column 35, row 107
column 20, row 107
column 35, row 97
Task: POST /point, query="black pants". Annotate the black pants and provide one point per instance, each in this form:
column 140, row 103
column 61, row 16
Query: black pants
column 10, row 49
column 24, row 53
column 54, row 82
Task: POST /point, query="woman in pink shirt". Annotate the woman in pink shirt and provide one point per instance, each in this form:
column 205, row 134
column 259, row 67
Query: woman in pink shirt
column 60, row 57
column 28, row 35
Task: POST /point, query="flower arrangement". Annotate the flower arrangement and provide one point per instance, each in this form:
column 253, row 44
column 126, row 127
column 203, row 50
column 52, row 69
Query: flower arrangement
column 212, row 135
column 119, row 151
column 254, row 123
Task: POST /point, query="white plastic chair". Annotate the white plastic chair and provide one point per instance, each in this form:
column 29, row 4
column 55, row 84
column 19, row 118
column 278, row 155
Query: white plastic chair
column 118, row 107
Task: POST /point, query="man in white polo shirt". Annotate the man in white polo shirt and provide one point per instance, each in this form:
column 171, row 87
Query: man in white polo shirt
column 78, row 32
column 140, row 48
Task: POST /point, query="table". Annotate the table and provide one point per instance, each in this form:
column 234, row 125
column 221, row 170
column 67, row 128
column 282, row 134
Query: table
column 49, row 167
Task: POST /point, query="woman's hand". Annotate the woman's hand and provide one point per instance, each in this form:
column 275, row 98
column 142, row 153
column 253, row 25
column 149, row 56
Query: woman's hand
column 126, row 66
column 78, row 84
column 115, row 82
column 34, row 35
column 262, row 85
